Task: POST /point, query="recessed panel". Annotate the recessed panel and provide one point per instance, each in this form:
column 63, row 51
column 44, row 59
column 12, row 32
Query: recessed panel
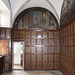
column 33, row 50
column 44, row 34
column 50, row 65
column 33, row 42
column 27, row 57
column 33, row 65
column 44, row 57
column 7, row 66
column 33, row 34
column 55, row 34
column 56, row 42
column 39, row 65
column 27, row 66
column 39, row 49
column 45, row 42
column 39, row 41
column 27, row 34
column 56, row 57
column 39, row 34
column 33, row 57
column 45, row 65
column 50, row 57
column 27, row 41
column 27, row 49
column 39, row 57
column 51, row 49
column 56, row 65
column 50, row 34
column 45, row 49
column 51, row 42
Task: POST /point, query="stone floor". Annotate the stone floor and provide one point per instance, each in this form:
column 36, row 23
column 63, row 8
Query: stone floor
column 19, row 72
column 17, row 67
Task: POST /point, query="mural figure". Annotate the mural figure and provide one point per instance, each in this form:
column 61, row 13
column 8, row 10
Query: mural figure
column 66, row 13
column 36, row 15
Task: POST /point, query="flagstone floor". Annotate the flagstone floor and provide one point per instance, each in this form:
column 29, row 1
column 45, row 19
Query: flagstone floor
column 49, row 72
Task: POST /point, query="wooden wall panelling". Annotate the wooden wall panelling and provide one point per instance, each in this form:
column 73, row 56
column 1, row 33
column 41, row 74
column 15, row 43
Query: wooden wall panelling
column 41, row 50
column 22, row 35
column 5, row 47
column 1, row 64
column 67, row 51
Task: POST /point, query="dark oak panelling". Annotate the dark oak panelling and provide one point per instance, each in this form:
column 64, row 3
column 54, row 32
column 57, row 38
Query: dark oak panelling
column 5, row 47
column 41, row 48
column 1, row 64
column 67, row 49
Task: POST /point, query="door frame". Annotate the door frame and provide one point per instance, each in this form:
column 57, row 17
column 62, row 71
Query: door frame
column 13, row 54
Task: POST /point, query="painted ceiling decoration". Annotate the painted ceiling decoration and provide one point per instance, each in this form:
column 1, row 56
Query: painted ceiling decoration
column 68, row 11
column 34, row 18
column 17, row 6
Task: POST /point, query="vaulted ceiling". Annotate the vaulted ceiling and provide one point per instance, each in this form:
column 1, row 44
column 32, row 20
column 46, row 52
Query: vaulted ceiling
column 15, row 7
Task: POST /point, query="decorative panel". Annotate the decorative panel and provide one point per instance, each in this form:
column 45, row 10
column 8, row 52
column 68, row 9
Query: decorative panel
column 27, row 41
column 44, row 34
column 2, row 33
column 56, row 42
column 39, row 65
column 44, row 65
column 39, row 42
column 27, row 49
column 39, row 34
column 51, row 42
column 33, row 65
column 51, row 49
column 39, row 57
column 33, row 57
column 39, row 49
column 50, row 34
column 33, row 49
column 50, row 57
column 33, row 42
column 56, row 49
column 44, row 41
column 27, row 65
column 56, row 57
column 22, row 35
column 55, row 34
column 16, row 34
column 45, row 49
column 7, row 67
column 27, row 34
column 8, row 35
column 27, row 57
column 33, row 34
column 44, row 57
column 7, row 59
column 56, row 65
column 50, row 65
column 4, row 47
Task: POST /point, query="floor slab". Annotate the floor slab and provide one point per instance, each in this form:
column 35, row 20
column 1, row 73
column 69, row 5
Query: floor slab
column 49, row 72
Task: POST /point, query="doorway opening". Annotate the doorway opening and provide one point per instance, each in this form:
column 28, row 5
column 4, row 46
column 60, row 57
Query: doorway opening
column 18, row 55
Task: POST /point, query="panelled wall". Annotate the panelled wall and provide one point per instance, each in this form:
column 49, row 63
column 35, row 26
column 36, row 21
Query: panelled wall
column 67, row 49
column 5, row 47
column 41, row 48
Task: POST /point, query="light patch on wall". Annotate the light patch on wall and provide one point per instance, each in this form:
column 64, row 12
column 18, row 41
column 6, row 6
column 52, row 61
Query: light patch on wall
column 4, row 15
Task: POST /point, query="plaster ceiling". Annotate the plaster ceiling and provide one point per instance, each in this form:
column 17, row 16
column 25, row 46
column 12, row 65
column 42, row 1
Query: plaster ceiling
column 17, row 6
